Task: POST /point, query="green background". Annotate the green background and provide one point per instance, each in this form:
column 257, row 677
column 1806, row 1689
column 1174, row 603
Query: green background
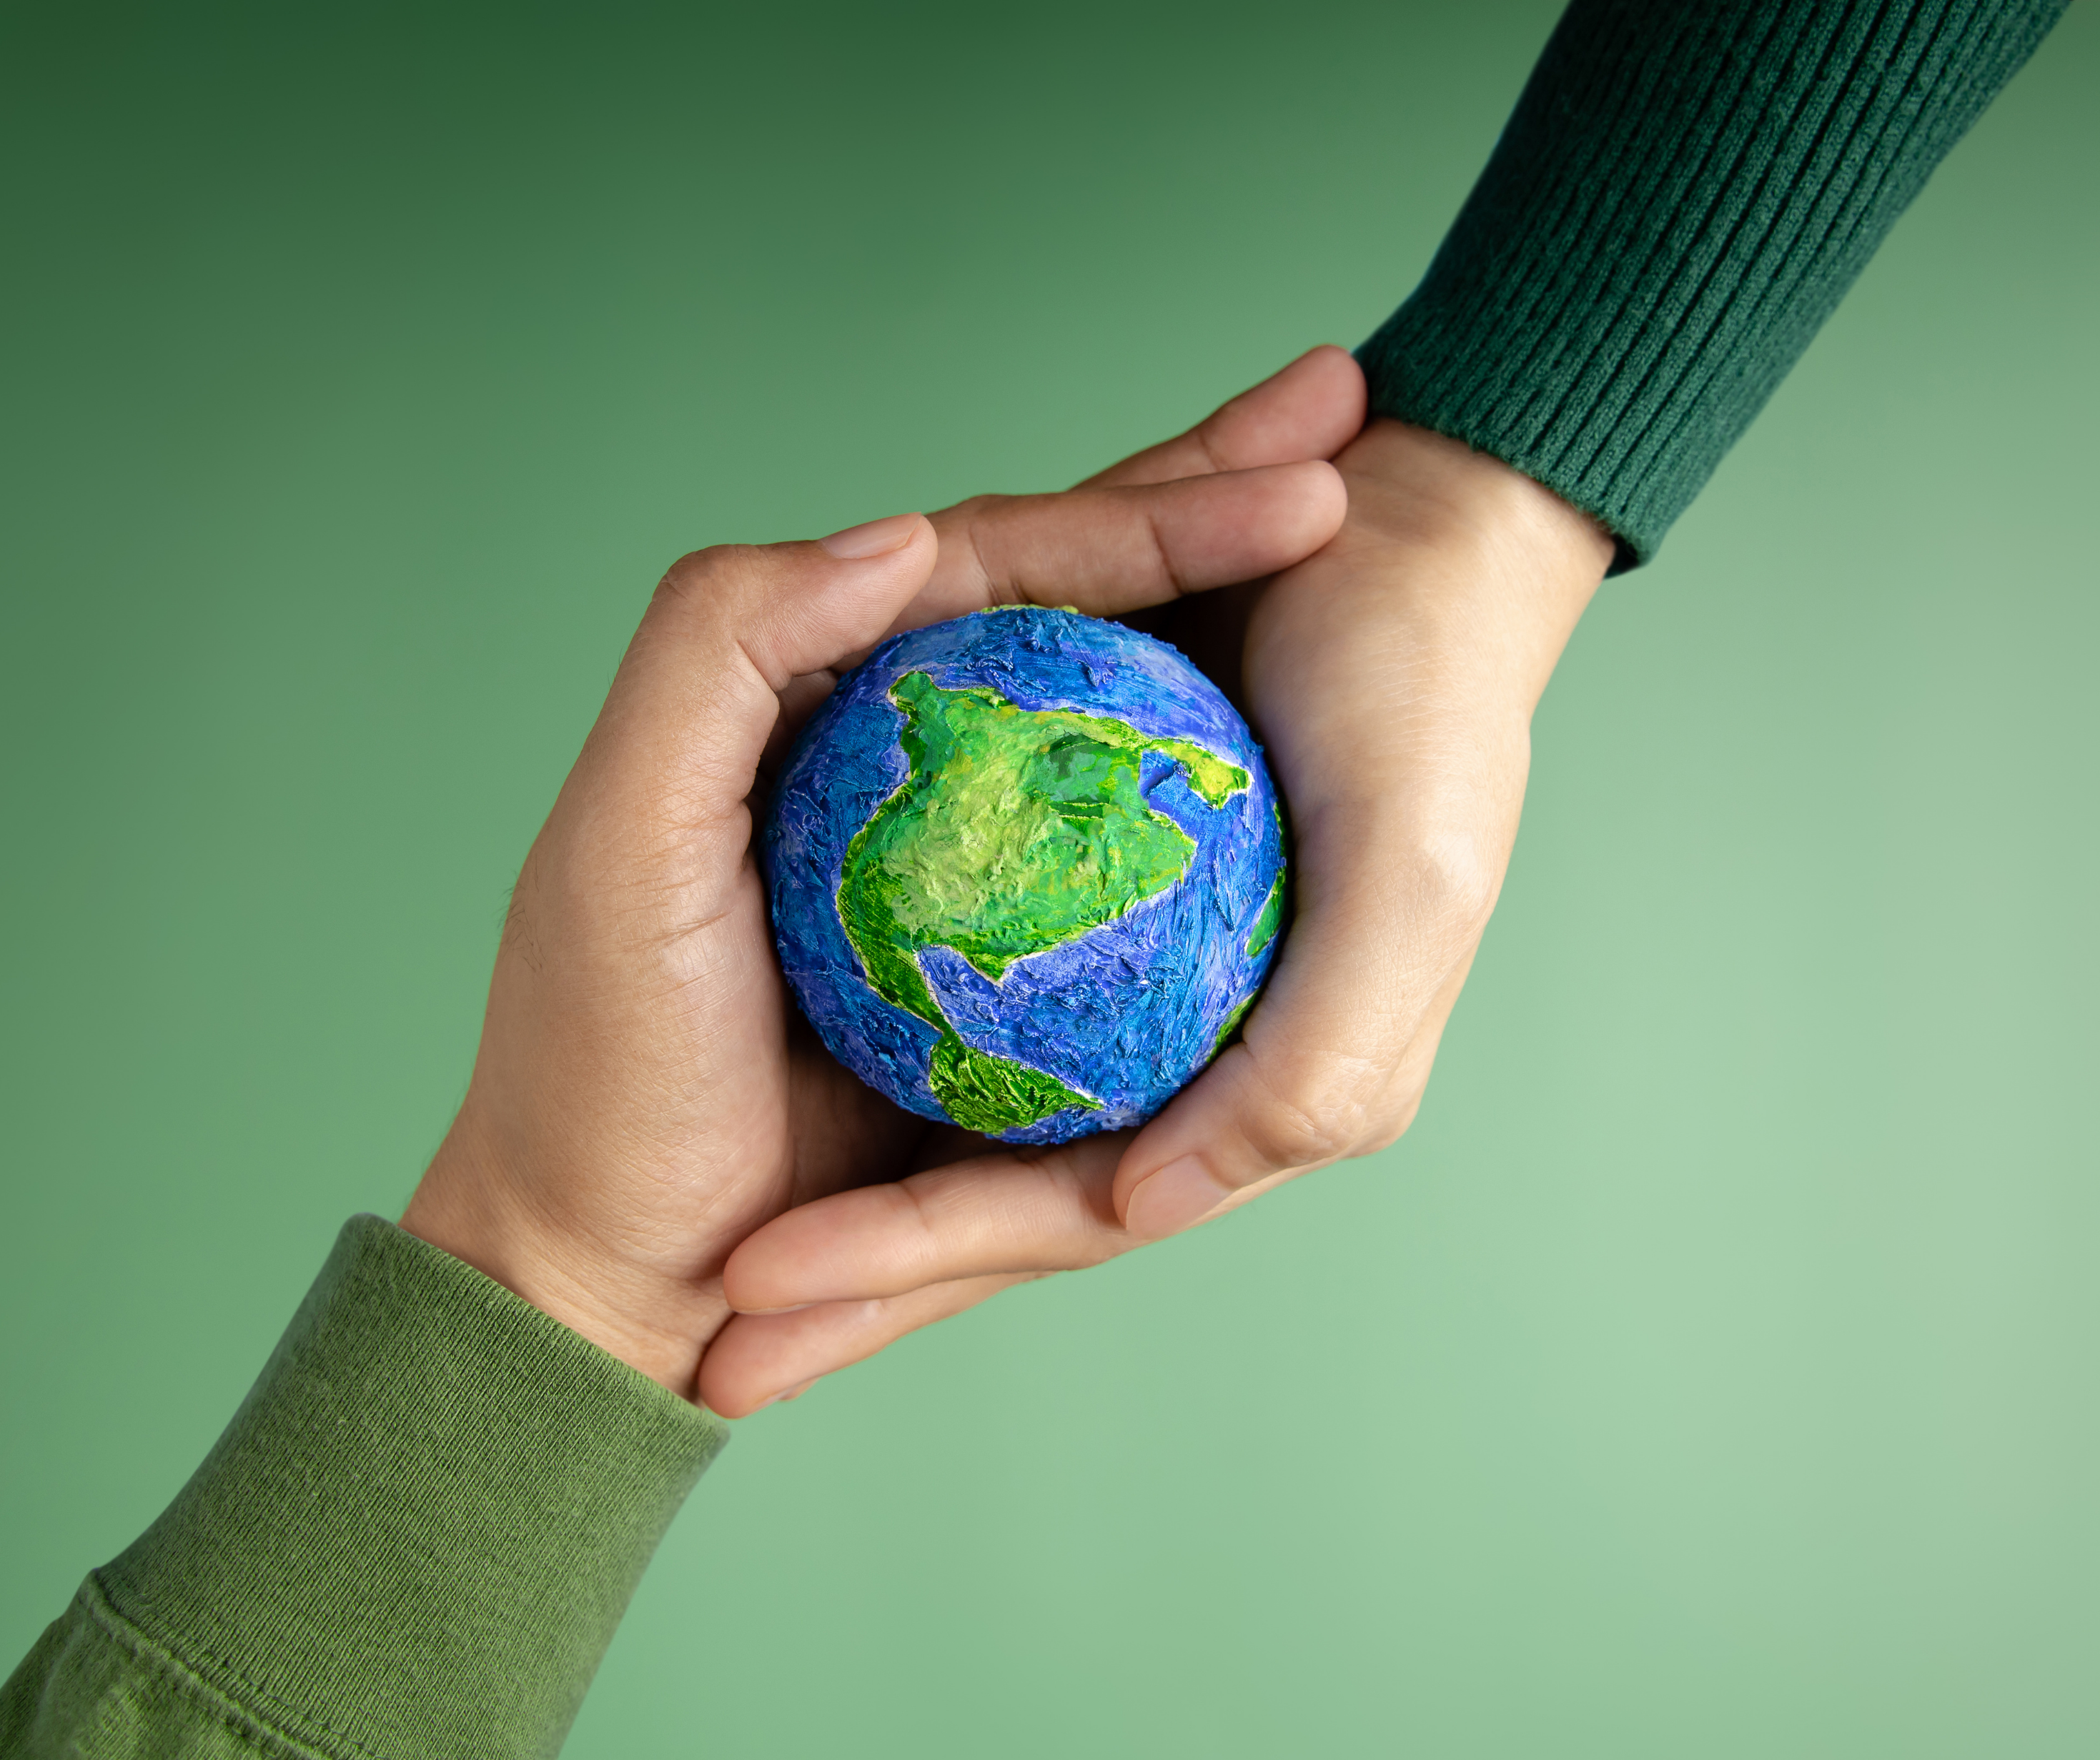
column 1712, row 1372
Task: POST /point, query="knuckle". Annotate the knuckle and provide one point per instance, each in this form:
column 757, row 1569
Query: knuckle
column 1455, row 882
column 1212, row 437
column 701, row 577
column 977, row 506
column 1301, row 1130
column 969, row 537
column 690, row 571
column 973, row 526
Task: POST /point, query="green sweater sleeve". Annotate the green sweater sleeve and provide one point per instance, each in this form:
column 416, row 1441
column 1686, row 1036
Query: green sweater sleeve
column 1682, row 197
column 414, row 1539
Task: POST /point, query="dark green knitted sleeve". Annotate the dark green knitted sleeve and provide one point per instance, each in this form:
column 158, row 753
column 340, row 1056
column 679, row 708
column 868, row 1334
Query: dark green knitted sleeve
column 1683, row 194
column 412, row 1542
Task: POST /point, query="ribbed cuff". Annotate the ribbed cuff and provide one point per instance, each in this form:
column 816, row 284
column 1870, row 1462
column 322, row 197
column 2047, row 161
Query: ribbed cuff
column 421, row 1528
column 1681, row 198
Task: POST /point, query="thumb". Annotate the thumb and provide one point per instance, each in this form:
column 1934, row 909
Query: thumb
column 697, row 692
column 1335, row 1054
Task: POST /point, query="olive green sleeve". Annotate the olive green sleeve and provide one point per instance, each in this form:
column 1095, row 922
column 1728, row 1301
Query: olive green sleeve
column 414, row 1540
column 1683, row 195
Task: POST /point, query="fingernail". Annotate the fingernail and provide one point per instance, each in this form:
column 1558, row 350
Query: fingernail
column 785, row 1394
column 1179, row 1196
column 856, row 543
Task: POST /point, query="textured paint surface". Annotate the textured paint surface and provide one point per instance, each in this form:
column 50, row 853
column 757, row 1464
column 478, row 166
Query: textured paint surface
column 1026, row 873
column 1016, row 830
column 1708, row 1374
column 1271, row 919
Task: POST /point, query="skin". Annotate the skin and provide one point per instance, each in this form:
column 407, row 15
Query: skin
column 654, row 1152
column 644, row 1094
column 1392, row 677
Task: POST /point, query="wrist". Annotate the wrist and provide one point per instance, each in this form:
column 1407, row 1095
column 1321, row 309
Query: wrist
column 466, row 1206
column 1465, row 548
column 1414, row 484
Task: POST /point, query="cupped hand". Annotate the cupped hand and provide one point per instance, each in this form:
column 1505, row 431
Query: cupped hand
column 1392, row 677
column 645, row 1095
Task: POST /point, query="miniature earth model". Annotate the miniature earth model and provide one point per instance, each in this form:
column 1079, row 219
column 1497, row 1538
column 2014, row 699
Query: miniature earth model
column 1027, row 873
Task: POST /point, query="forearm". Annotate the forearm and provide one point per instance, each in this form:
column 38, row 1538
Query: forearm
column 1682, row 197
column 415, row 1538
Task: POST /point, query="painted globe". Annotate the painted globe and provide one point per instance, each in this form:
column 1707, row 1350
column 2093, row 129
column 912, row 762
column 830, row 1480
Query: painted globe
column 1026, row 871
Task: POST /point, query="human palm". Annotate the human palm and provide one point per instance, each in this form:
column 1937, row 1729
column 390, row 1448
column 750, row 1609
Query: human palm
column 1392, row 674
column 645, row 1096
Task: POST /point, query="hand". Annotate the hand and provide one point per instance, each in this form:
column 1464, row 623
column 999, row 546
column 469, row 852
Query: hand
column 1393, row 675
column 645, row 1095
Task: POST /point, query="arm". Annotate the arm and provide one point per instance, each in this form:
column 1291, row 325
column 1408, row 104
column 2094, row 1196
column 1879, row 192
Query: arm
column 1682, row 197
column 421, row 1528
column 1680, row 200
column 416, row 1538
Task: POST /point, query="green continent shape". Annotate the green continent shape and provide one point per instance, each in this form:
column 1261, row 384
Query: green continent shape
column 1231, row 1026
column 1271, row 917
column 1014, row 831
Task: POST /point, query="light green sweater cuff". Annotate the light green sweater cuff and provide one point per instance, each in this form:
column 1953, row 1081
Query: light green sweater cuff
column 421, row 1528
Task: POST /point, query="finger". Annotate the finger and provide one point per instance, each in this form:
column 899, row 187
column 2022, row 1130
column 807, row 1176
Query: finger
column 1394, row 1110
column 1375, row 949
column 1311, row 409
column 759, row 1358
column 800, row 698
column 991, row 1214
column 1410, row 1081
column 1105, row 551
column 844, row 1133
column 697, row 694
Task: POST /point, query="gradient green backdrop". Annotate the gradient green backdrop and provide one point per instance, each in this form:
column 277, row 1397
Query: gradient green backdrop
column 1715, row 1370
